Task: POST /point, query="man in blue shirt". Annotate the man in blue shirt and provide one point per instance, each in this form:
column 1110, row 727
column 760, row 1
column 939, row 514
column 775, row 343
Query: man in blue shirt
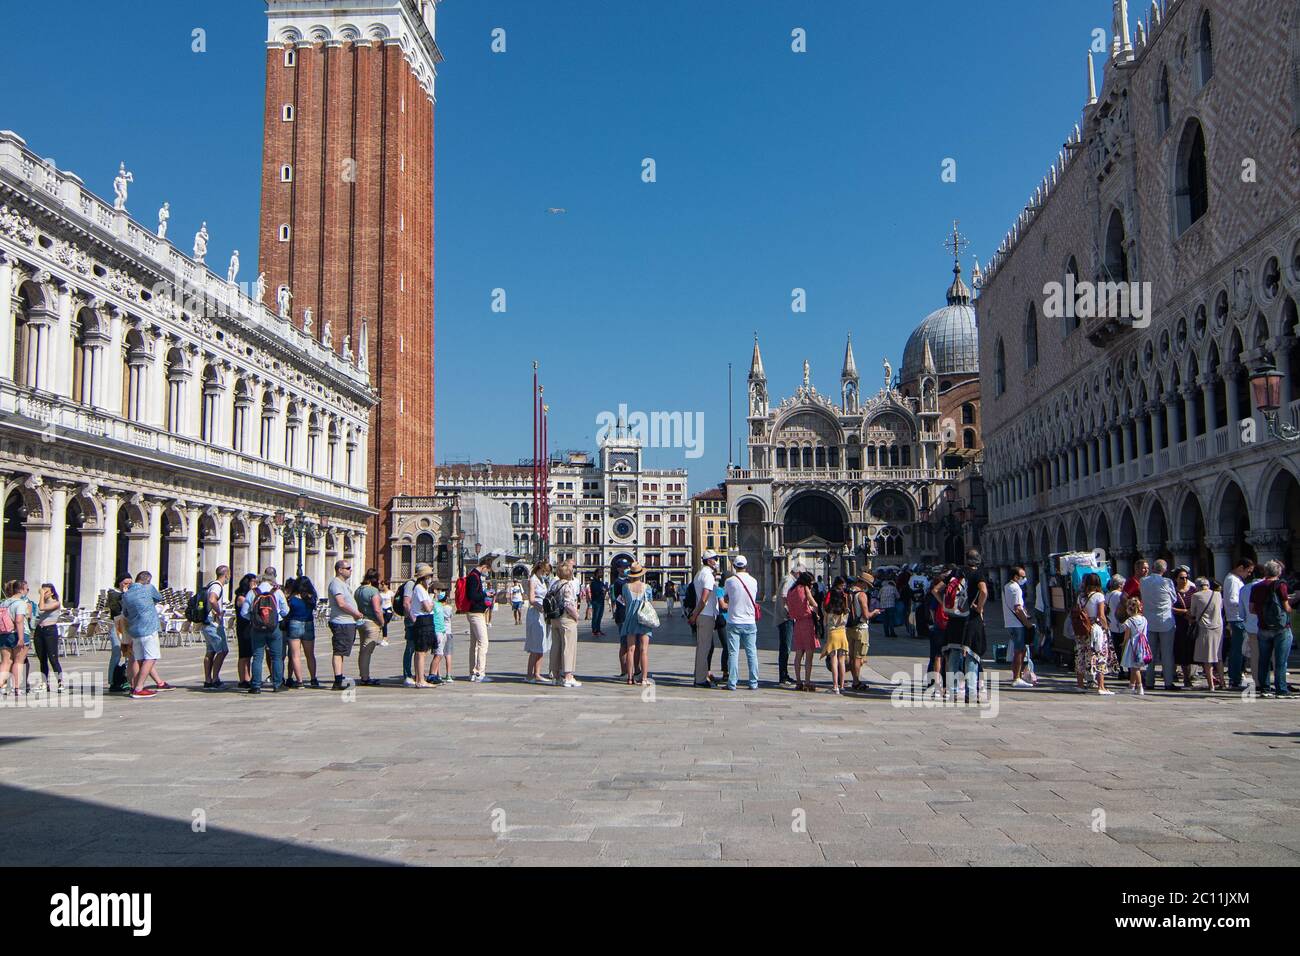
column 140, row 608
column 271, row 607
column 1158, row 596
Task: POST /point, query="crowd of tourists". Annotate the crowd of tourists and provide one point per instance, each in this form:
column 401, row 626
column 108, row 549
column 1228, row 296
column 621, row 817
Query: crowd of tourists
column 1159, row 620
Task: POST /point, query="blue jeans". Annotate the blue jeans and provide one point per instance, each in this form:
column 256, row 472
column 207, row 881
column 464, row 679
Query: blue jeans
column 1236, row 660
column 1274, row 650
column 785, row 639
column 738, row 634
column 888, row 618
column 963, row 666
column 408, row 655
column 262, row 642
column 597, row 614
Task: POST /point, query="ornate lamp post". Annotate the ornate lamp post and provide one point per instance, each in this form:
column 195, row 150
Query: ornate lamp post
column 295, row 529
column 1266, row 385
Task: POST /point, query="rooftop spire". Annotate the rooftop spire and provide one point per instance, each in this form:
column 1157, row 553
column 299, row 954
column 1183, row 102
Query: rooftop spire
column 1121, row 45
column 850, row 366
column 756, row 373
column 927, row 359
column 1092, row 81
column 958, row 294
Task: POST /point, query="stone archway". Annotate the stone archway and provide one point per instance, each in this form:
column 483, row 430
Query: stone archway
column 1232, row 520
column 1282, row 510
column 815, row 516
column 1157, row 533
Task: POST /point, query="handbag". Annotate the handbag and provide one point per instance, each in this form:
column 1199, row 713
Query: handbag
column 646, row 615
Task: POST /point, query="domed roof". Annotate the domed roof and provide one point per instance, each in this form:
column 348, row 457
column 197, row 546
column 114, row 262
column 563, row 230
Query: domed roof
column 952, row 334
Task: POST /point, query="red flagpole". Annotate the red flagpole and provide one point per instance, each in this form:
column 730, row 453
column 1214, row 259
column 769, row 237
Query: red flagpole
column 536, row 440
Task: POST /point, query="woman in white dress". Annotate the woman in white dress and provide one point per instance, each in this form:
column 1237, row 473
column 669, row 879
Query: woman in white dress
column 537, row 637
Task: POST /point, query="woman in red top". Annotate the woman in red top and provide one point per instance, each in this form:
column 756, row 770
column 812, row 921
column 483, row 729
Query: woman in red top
column 802, row 608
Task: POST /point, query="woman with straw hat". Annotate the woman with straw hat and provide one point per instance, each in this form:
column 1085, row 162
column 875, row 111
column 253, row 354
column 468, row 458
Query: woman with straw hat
column 634, row 632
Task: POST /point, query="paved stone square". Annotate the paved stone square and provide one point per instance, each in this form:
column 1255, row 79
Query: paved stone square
column 504, row 772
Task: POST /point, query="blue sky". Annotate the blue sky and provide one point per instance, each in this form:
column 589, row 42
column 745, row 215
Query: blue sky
column 775, row 170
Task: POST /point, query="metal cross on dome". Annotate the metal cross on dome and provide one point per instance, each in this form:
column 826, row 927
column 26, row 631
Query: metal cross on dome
column 956, row 243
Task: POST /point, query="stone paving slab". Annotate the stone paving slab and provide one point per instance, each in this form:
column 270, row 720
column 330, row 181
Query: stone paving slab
column 505, row 773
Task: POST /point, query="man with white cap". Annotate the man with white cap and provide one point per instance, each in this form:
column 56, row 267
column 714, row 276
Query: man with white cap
column 703, row 618
column 742, row 623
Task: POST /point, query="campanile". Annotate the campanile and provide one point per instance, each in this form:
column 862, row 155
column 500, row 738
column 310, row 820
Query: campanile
column 347, row 210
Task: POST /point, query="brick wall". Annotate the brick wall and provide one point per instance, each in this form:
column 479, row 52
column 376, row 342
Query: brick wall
column 362, row 236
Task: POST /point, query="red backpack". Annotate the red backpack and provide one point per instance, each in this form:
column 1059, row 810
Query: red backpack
column 462, row 595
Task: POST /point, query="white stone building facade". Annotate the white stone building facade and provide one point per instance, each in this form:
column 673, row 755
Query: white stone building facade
column 604, row 510
column 1144, row 439
column 153, row 416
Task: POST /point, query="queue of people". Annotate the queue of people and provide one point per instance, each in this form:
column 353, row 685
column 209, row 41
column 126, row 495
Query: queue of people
column 1158, row 619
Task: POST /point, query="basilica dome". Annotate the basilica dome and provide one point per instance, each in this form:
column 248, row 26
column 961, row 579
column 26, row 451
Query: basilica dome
column 952, row 334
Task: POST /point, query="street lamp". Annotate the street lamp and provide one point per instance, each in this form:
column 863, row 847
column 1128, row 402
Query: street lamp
column 1266, row 385
column 296, row 529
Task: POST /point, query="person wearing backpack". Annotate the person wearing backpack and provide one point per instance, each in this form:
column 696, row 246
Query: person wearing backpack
column 214, row 630
column 420, row 610
column 476, row 604
column 264, row 608
column 564, row 627
column 14, row 621
column 1271, row 603
column 859, row 626
column 120, row 664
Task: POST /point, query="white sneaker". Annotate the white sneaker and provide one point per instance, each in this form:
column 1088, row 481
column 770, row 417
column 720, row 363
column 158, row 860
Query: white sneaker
column 484, row 679
column 572, row 682
column 1021, row 682
column 409, row 682
column 474, row 678
column 1105, row 693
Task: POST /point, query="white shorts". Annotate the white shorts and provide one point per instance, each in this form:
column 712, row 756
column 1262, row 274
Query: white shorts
column 147, row 648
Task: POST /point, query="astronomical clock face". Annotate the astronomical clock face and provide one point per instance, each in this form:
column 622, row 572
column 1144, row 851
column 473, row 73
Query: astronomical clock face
column 624, row 458
column 623, row 528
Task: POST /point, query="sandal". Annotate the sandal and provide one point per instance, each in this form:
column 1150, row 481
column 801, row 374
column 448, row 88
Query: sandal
column 164, row 686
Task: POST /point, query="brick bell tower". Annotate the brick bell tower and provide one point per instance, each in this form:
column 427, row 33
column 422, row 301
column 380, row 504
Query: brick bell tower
column 347, row 210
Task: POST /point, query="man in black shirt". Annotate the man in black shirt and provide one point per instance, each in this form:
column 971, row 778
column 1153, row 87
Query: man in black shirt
column 598, row 591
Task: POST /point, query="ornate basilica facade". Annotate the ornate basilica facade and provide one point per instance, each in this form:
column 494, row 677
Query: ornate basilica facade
column 154, row 415
column 851, row 484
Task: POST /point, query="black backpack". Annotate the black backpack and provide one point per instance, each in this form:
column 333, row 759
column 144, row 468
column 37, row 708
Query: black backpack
column 264, row 615
column 1272, row 615
column 402, row 598
column 196, row 609
column 553, row 603
column 688, row 599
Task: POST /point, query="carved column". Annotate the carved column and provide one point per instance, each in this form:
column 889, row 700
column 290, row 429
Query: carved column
column 1269, row 543
column 1221, row 546
column 1211, row 412
column 7, row 307
column 106, row 570
column 1235, row 411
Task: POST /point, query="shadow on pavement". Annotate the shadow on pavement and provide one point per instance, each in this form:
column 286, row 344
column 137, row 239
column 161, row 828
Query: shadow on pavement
column 44, row 829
